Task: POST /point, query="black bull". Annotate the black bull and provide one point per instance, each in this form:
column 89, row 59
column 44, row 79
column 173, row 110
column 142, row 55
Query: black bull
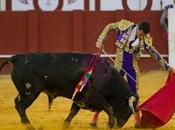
column 57, row 74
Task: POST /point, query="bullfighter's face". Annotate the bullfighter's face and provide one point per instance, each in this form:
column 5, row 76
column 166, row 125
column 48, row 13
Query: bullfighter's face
column 140, row 34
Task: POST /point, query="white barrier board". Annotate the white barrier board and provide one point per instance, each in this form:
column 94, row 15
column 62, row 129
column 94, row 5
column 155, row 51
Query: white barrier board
column 171, row 37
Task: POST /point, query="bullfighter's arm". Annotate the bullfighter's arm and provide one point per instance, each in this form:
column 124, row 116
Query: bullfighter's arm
column 156, row 55
column 117, row 26
column 110, row 27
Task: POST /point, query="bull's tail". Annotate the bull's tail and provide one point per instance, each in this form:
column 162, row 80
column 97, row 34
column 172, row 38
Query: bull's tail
column 12, row 60
column 4, row 63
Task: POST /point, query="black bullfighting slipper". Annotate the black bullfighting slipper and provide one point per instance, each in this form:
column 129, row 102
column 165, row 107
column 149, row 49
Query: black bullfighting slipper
column 93, row 125
column 138, row 126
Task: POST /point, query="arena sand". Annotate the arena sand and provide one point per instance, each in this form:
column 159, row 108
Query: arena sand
column 42, row 119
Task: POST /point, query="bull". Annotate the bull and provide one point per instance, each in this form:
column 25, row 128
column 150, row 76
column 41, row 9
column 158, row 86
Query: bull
column 57, row 74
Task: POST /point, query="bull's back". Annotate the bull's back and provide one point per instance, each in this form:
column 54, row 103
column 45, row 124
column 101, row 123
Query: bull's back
column 49, row 61
column 56, row 71
column 58, row 64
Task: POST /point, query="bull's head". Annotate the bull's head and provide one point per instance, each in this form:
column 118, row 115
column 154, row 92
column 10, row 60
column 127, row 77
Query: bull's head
column 123, row 109
column 117, row 92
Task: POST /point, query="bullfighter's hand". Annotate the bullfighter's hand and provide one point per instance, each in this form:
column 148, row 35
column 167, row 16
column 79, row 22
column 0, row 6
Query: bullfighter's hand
column 99, row 45
column 171, row 69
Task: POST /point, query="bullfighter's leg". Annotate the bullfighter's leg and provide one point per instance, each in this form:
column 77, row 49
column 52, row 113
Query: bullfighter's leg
column 94, row 120
column 73, row 111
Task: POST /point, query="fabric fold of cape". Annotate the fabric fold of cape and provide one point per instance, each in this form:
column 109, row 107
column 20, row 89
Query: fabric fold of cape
column 159, row 108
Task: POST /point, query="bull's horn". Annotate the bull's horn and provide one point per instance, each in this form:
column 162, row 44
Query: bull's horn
column 131, row 101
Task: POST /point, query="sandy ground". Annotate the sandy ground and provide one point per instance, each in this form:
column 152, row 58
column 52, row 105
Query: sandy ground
column 42, row 119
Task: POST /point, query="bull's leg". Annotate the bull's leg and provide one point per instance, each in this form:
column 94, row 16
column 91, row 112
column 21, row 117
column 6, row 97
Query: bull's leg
column 24, row 100
column 102, row 103
column 22, row 103
column 73, row 111
column 21, row 109
column 108, row 109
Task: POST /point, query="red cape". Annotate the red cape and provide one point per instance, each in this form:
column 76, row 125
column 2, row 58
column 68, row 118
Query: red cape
column 158, row 109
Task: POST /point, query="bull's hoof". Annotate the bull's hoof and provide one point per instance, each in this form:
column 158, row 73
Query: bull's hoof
column 66, row 124
column 111, row 125
column 117, row 126
column 93, row 125
column 30, row 127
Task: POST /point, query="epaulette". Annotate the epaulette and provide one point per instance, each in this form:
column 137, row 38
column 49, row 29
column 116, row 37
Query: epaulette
column 148, row 39
column 124, row 24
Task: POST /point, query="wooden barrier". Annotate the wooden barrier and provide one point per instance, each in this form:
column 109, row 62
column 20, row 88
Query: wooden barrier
column 36, row 31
